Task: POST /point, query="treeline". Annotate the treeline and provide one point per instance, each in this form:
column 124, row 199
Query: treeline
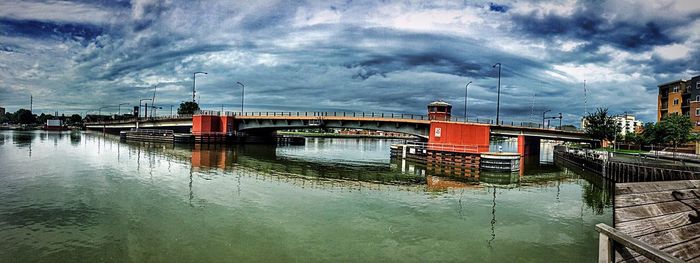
column 24, row 116
column 673, row 130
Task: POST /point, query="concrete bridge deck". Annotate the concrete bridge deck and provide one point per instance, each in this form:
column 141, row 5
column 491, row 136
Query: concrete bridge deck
column 418, row 125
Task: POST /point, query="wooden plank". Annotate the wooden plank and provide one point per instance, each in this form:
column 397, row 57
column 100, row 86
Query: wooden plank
column 662, row 240
column 646, row 187
column 672, row 237
column 687, row 250
column 634, row 244
column 655, row 224
column 653, row 210
column 650, row 198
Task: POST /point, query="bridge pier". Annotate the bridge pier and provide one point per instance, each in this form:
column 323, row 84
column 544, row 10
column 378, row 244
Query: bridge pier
column 528, row 145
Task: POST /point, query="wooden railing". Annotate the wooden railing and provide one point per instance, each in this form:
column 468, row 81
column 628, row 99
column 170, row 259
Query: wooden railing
column 609, row 234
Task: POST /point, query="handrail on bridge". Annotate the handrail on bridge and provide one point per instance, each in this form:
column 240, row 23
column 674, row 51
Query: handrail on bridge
column 465, row 148
column 524, row 124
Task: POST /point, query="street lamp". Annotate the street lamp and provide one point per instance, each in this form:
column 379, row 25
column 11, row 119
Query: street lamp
column 194, row 81
column 120, row 107
column 242, row 95
column 498, row 100
column 466, row 89
column 141, row 100
column 560, row 117
column 100, row 110
column 543, row 113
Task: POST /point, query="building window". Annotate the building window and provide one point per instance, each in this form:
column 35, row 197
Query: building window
column 697, row 112
column 675, row 101
column 697, row 85
column 675, row 89
column 697, row 98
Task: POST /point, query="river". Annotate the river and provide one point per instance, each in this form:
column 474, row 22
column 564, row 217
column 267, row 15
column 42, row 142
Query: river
column 79, row 196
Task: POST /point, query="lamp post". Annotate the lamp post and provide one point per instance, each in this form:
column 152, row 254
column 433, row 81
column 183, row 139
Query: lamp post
column 543, row 117
column 242, row 94
column 100, row 110
column 466, row 90
column 120, row 107
column 498, row 100
column 194, row 82
column 141, row 100
column 560, row 117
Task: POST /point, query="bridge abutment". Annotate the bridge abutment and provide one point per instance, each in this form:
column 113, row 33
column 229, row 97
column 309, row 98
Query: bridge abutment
column 528, row 146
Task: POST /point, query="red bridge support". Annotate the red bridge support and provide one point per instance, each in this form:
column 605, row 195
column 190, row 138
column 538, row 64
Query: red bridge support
column 528, row 145
column 455, row 133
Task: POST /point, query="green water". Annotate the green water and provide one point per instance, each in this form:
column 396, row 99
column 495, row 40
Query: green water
column 79, row 197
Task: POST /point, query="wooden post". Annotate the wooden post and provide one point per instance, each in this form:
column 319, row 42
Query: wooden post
column 604, row 249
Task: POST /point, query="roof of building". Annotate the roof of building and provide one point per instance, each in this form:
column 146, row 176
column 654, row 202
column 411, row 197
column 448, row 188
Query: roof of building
column 439, row 103
column 671, row 82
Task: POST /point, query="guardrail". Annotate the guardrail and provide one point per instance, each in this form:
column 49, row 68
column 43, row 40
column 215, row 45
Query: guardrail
column 605, row 248
column 449, row 147
column 150, row 131
column 513, row 123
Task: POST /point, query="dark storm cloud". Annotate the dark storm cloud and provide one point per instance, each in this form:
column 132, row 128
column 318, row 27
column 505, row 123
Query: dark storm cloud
column 498, row 8
column 590, row 23
column 38, row 29
column 342, row 56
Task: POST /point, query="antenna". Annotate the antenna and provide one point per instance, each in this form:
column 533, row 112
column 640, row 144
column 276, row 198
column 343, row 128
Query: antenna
column 532, row 107
column 31, row 103
column 585, row 99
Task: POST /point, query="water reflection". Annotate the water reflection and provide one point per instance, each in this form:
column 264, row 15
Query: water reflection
column 136, row 195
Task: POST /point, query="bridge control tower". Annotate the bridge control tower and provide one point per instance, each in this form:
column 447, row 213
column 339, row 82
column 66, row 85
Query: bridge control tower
column 439, row 111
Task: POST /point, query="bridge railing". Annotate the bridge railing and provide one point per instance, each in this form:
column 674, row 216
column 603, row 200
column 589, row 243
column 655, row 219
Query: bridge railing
column 513, row 123
column 131, row 120
column 464, row 148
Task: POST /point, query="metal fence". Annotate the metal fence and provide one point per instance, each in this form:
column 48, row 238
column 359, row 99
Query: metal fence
column 514, row 123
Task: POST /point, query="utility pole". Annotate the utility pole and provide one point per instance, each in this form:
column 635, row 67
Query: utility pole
column 560, row 117
column 153, row 111
column 194, row 82
column 498, row 100
column 466, row 90
column 242, row 95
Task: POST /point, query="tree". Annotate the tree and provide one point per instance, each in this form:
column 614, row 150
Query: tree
column 43, row 118
column 24, row 116
column 601, row 126
column 188, row 107
column 676, row 129
column 75, row 118
column 653, row 134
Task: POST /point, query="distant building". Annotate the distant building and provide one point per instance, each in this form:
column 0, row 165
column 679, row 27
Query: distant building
column 627, row 124
column 680, row 97
column 2, row 111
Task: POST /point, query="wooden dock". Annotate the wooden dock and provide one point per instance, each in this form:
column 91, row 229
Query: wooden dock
column 663, row 216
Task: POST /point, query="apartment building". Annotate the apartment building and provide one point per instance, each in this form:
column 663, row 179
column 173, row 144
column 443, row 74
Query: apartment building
column 680, row 97
column 627, row 123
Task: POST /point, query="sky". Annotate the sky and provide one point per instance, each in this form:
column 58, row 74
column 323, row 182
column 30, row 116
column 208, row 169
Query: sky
column 372, row 56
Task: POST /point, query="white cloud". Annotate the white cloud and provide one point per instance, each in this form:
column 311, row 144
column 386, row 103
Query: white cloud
column 59, row 11
column 672, row 52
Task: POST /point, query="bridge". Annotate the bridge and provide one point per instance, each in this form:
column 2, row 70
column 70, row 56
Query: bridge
column 435, row 129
